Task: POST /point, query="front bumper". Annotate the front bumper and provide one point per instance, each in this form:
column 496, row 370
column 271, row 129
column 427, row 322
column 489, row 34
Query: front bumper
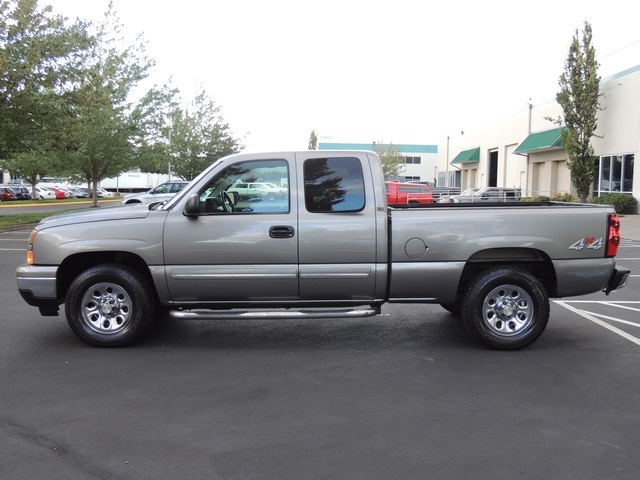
column 38, row 287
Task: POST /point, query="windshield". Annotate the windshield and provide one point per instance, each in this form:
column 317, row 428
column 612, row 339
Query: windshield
column 479, row 193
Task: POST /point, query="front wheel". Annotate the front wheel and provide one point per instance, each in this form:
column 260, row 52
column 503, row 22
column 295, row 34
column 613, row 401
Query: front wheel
column 109, row 305
column 506, row 308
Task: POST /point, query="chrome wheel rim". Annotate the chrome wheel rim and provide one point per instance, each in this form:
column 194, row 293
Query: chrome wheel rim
column 106, row 308
column 508, row 310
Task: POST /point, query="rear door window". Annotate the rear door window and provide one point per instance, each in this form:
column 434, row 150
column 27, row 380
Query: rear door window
column 333, row 185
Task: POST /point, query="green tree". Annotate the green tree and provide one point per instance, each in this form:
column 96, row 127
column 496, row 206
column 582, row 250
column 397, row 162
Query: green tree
column 152, row 119
column 39, row 60
column 313, row 140
column 579, row 97
column 391, row 159
column 199, row 136
column 100, row 143
column 31, row 166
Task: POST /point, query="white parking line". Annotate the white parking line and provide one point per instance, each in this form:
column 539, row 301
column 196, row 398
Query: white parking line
column 619, row 320
column 603, row 302
column 620, row 305
column 597, row 321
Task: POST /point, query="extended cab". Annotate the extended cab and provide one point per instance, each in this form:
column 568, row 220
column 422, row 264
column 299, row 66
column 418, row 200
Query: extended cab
column 328, row 247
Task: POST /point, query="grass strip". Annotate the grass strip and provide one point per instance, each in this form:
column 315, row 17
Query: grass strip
column 22, row 219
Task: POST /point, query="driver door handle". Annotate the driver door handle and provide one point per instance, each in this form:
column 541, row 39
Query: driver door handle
column 281, row 231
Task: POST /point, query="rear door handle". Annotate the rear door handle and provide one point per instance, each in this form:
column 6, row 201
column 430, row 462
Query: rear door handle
column 281, row 231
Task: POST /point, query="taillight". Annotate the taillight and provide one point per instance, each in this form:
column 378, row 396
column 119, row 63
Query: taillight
column 32, row 238
column 613, row 236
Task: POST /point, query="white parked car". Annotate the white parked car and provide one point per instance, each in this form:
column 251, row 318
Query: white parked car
column 104, row 193
column 44, row 193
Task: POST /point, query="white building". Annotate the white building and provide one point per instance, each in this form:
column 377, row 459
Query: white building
column 525, row 151
column 420, row 161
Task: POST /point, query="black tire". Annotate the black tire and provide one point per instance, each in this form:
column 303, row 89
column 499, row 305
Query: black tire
column 110, row 305
column 506, row 308
column 454, row 308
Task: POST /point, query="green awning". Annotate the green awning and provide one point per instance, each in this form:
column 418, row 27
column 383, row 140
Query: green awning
column 468, row 156
column 536, row 142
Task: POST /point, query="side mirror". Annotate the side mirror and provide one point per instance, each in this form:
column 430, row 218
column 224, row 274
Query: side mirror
column 192, row 207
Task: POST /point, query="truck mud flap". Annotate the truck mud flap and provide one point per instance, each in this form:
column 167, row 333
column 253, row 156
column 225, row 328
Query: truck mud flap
column 619, row 279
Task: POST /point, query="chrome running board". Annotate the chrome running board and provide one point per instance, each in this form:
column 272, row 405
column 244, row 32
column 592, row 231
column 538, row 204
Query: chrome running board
column 272, row 315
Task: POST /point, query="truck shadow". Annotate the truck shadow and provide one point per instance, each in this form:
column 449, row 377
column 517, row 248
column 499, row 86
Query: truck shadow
column 437, row 331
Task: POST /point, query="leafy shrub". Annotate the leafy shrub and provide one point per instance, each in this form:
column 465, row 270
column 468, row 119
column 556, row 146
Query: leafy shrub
column 622, row 202
column 537, row 198
column 562, row 197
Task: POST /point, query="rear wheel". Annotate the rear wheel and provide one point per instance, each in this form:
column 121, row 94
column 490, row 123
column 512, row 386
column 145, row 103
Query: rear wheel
column 505, row 308
column 110, row 305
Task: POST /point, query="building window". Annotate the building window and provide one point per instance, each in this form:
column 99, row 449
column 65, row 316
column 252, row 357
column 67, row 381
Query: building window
column 412, row 160
column 411, row 179
column 454, row 179
column 615, row 174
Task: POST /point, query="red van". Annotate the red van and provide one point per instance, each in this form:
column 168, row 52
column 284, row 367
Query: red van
column 403, row 193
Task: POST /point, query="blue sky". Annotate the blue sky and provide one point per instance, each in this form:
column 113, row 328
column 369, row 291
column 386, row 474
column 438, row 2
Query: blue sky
column 362, row 71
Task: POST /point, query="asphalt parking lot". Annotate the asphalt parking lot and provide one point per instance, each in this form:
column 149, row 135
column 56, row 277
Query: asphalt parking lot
column 407, row 395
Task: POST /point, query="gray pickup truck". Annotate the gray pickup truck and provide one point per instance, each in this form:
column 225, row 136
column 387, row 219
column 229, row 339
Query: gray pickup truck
column 329, row 247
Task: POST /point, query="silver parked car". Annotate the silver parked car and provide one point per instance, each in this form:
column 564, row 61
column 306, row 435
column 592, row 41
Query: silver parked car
column 258, row 189
column 486, row 194
column 162, row 192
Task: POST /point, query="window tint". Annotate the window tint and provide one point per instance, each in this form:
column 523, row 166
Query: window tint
column 333, row 185
column 272, row 196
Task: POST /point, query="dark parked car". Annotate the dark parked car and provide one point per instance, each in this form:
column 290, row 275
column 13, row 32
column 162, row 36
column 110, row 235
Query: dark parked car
column 22, row 192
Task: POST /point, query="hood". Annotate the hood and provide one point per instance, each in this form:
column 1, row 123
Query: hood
column 96, row 215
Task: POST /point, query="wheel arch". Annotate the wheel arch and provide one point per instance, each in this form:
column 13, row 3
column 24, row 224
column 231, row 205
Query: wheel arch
column 73, row 265
column 532, row 260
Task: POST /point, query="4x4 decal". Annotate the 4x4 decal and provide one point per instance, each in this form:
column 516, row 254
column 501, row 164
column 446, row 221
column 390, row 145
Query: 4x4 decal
column 587, row 242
